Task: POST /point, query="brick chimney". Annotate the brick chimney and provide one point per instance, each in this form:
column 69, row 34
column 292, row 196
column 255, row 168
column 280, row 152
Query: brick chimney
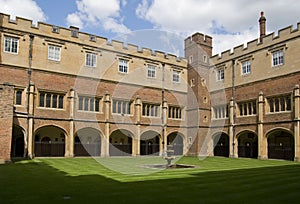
column 262, row 25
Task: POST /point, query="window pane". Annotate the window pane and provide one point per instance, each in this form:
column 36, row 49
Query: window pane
column 97, row 105
column 128, row 107
column 254, row 108
column 61, row 102
column 42, row 99
column 86, row 104
column 276, row 104
column 92, row 105
column 119, row 107
column 114, row 107
column 54, row 101
column 80, row 103
column 48, row 100
column 144, row 109
column 241, row 109
column 271, row 103
column 18, row 97
column 282, row 104
column 288, row 103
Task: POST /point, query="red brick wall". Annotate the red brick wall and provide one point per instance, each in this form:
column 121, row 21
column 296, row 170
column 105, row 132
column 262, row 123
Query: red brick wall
column 6, row 120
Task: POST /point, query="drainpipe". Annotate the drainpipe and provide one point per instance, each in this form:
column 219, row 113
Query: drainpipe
column 234, row 107
column 31, row 36
column 163, row 109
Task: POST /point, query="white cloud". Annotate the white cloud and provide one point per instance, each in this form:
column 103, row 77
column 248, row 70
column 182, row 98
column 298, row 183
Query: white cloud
column 23, row 8
column 74, row 19
column 227, row 21
column 99, row 13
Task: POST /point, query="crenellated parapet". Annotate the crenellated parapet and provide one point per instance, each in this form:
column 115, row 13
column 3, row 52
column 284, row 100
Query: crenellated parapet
column 201, row 40
column 24, row 27
column 264, row 42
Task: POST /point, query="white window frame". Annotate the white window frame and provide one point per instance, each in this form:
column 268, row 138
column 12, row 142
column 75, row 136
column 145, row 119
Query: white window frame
column 54, row 52
column 277, row 58
column 90, row 59
column 9, row 45
column 150, row 110
column 151, row 73
column 121, row 107
column 123, row 66
column 220, row 74
column 246, row 67
column 176, row 76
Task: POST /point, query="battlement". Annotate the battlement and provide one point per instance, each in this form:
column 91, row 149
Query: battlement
column 260, row 43
column 74, row 35
column 200, row 39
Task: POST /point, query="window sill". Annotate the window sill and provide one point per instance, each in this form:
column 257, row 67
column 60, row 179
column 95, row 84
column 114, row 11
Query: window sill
column 246, row 74
column 276, row 66
column 280, row 112
column 245, row 116
column 53, row 109
column 178, row 119
column 122, row 114
column 219, row 118
column 86, row 111
column 54, row 61
column 147, row 116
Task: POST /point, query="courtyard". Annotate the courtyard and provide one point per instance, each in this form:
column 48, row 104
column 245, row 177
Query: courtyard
column 86, row 180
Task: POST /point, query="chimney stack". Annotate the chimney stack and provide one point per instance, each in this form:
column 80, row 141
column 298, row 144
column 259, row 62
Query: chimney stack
column 262, row 25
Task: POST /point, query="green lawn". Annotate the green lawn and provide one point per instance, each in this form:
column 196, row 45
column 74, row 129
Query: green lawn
column 84, row 180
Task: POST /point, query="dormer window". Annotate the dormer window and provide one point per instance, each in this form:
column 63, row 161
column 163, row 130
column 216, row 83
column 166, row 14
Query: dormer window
column 55, row 29
column 74, row 31
column 93, row 38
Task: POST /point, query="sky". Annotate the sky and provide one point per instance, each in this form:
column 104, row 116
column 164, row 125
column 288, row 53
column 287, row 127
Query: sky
column 162, row 24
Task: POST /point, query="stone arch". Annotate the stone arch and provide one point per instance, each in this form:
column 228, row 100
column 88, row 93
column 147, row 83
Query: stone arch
column 247, row 144
column 221, row 144
column 18, row 142
column 87, row 142
column 177, row 140
column 49, row 141
column 280, row 144
column 120, row 143
column 150, row 143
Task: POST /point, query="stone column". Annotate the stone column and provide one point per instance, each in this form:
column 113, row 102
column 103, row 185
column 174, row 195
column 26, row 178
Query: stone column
column 138, row 110
column 232, row 138
column 105, row 142
column 30, row 133
column 72, row 114
column 262, row 140
column 164, row 126
column 297, row 123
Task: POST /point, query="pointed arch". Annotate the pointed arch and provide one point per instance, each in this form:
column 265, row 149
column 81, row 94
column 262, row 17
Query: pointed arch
column 49, row 141
column 177, row 140
column 247, row 144
column 280, row 144
column 150, row 143
column 87, row 142
column 221, row 144
column 120, row 143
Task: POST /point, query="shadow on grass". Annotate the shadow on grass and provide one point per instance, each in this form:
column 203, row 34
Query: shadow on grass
column 38, row 182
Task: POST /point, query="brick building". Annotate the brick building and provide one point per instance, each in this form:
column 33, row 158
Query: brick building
column 69, row 93
column 77, row 94
column 253, row 93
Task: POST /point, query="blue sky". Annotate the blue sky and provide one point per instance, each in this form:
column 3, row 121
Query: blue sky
column 161, row 24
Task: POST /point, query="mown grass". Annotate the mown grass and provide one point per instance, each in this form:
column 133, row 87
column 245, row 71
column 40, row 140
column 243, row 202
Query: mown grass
column 85, row 180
